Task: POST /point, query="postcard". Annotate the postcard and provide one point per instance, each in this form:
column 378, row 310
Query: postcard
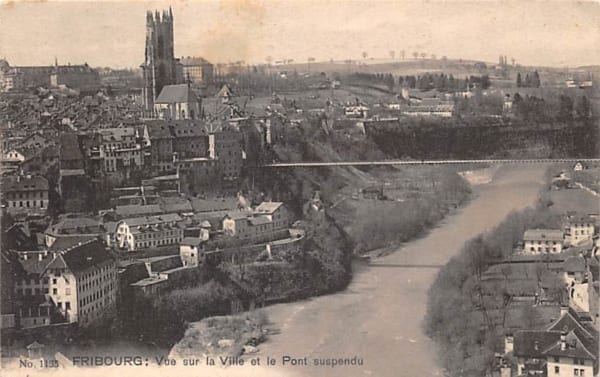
column 299, row 188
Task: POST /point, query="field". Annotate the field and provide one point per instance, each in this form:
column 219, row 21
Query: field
column 578, row 200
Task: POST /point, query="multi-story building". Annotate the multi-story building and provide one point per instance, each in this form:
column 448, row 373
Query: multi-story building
column 161, row 145
column 119, row 148
column 579, row 229
column 197, row 70
column 225, row 146
column 82, row 283
column 568, row 347
column 150, row 231
column 78, row 284
column 266, row 220
column 540, row 241
column 26, row 194
column 81, row 77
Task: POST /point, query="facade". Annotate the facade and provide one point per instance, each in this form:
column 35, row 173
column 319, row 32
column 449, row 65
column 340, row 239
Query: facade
column 78, row 284
column 579, row 229
column 197, row 70
column 159, row 67
column 151, row 231
column 119, row 148
column 263, row 223
column 226, row 147
column 26, row 194
column 83, row 283
column 191, row 252
column 541, row 241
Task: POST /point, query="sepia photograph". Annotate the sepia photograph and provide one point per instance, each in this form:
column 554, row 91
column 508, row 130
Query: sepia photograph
column 299, row 188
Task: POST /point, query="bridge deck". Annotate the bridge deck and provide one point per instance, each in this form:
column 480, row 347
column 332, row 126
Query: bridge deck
column 429, row 162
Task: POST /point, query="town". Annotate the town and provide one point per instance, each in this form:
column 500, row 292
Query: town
column 129, row 195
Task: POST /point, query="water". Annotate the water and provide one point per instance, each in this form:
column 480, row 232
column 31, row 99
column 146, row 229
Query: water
column 378, row 317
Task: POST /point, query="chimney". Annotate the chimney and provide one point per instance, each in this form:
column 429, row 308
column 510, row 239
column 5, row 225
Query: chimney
column 536, row 345
column 563, row 311
column 40, row 256
column 563, row 341
column 25, row 256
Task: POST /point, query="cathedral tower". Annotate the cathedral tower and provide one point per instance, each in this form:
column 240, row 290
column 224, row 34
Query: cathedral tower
column 160, row 66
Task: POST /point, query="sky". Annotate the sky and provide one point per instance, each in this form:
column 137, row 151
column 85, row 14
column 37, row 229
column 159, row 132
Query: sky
column 112, row 33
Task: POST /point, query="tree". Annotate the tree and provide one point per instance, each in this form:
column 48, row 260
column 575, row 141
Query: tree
column 402, row 53
column 392, row 54
column 423, row 55
column 519, row 80
column 535, row 81
column 364, row 55
column 415, row 55
column 583, row 108
column 269, row 59
column 565, row 107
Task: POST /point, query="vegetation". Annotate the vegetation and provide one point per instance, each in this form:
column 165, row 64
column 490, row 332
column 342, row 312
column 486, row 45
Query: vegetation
column 466, row 311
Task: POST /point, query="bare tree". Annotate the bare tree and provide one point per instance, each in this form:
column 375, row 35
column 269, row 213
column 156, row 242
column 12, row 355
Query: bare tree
column 392, row 54
column 365, row 55
column 423, row 55
column 269, row 59
column 415, row 55
column 402, row 53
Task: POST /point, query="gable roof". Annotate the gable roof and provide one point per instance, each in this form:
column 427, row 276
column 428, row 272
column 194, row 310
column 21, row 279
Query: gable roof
column 82, row 257
column 268, row 207
column 533, row 343
column 575, row 347
column 180, row 93
column 543, row 234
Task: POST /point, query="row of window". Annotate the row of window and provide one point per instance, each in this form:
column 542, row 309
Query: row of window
column 26, row 195
column 28, row 204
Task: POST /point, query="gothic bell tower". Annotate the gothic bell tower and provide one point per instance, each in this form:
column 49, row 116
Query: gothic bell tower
column 159, row 67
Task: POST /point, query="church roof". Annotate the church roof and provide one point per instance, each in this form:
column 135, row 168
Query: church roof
column 176, row 94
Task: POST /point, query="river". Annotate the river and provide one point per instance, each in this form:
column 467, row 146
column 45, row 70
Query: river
column 378, row 317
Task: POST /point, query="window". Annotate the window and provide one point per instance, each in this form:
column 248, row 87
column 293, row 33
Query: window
column 576, row 372
column 557, row 370
column 67, row 291
column 54, row 281
column 67, row 305
column 54, row 291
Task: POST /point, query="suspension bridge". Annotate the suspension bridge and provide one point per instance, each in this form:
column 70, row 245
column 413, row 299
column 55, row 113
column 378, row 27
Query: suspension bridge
column 429, row 162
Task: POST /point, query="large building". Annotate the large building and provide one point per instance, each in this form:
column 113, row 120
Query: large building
column 197, row 70
column 26, row 194
column 160, row 67
column 76, row 285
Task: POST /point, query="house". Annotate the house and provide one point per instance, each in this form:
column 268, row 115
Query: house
column 26, row 194
column 540, row 241
column 263, row 223
column 119, row 148
column 574, row 269
column 275, row 212
column 579, row 229
column 83, row 283
column 579, row 166
column 75, row 285
column 148, row 231
column 568, row 347
column 191, row 252
column 197, row 70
